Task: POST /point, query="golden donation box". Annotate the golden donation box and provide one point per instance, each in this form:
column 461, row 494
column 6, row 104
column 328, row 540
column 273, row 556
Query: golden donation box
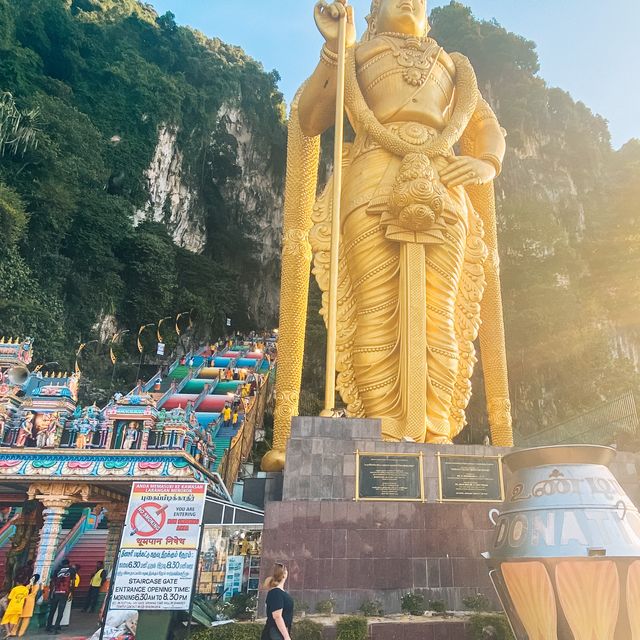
column 565, row 560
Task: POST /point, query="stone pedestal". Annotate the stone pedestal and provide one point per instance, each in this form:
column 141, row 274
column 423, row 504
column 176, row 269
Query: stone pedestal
column 355, row 551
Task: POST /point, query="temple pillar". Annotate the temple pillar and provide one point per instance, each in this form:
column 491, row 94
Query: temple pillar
column 53, row 515
column 56, row 499
column 116, row 512
column 148, row 424
column 111, row 434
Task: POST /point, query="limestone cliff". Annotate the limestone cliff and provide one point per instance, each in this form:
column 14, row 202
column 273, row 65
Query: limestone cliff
column 170, row 201
column 255, row 201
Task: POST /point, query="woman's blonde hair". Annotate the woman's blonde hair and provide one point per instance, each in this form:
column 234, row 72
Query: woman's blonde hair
column 278, row 574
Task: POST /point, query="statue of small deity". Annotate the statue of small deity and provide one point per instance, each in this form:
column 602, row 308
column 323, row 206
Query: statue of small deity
column 417, row 247
column 131, row 435
column 42, row 425
column 85, row 433
column 25, row 430
column 54, row 429
column 73, row 383
column 4, row 421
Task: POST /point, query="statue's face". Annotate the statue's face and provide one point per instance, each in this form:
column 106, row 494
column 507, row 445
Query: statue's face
column 402, row 16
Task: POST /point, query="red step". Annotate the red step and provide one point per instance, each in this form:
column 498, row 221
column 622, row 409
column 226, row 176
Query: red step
column 89, row 549
column 213, row 403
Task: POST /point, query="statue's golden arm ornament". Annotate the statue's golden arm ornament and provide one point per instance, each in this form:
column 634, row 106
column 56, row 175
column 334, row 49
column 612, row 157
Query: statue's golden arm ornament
column 301, row 180
column 478, row 141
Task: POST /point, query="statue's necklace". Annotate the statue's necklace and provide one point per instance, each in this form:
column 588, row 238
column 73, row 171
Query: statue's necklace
column 416, row 56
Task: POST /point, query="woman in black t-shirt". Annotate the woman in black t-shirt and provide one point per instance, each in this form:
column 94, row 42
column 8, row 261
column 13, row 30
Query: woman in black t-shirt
column 279, row 606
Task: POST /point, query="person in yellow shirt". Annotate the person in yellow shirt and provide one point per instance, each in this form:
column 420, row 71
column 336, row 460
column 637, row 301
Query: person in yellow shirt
column 234, row 420
column 29, row 605
column 226, row 415
column 12, row 615
column 95, row 584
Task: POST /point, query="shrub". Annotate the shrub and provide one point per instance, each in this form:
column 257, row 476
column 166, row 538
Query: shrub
column 306, row 629
column 413, row 603
column 352, row 628
column 490, row 625
column 477, row 602
column 326, row 607
column 437, row 606
column 242, row 606
column 232, row 631
column 300, row 607
column 371, row 608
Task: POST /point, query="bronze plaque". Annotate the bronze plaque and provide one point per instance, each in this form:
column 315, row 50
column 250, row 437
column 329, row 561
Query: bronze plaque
column 384, row 476
column 470, row 478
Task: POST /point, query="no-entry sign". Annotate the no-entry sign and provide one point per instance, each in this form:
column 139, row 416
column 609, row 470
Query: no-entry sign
column 159, row 548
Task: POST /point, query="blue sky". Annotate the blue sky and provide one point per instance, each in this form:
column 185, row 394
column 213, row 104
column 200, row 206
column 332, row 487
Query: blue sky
column 590, row 48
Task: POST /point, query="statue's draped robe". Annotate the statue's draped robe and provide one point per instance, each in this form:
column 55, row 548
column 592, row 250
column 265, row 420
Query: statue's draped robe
column 378, row 368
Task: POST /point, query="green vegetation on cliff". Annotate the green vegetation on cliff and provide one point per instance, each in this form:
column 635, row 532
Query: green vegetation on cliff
column 101, row 78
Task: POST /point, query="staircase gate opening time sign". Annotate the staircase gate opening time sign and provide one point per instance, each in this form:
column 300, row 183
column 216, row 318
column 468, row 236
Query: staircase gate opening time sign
column 159, row 548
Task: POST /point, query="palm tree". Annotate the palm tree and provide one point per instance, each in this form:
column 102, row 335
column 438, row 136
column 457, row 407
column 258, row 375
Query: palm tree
column 19, row 131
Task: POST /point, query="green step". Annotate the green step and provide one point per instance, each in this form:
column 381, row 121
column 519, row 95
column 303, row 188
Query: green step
column 196, row 386
column 179, row 372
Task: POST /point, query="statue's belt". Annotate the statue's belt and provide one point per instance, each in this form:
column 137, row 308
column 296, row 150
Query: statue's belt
column 413, row 204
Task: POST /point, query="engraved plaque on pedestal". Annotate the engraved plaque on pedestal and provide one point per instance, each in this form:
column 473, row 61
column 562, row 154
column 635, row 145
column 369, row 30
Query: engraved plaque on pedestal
column 385, row 476
column 470, row 478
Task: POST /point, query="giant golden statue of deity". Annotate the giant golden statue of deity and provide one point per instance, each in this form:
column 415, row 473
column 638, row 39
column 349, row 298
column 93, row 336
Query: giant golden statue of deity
column 417, row 250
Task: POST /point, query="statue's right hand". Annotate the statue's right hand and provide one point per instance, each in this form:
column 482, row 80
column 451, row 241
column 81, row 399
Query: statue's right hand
column 327, row 17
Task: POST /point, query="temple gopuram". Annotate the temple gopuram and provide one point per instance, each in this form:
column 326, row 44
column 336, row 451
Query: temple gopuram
column 66, row 470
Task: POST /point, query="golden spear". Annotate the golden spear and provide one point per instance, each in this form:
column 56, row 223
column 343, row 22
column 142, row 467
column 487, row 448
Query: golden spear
column 332, row 316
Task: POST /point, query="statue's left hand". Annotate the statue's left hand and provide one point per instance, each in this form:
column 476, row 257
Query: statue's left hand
column 467, row 171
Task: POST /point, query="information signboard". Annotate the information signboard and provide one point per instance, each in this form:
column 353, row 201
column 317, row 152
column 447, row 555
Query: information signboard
column 159, row 549
column 389, row 476
column 470, row 478
column 233, row 576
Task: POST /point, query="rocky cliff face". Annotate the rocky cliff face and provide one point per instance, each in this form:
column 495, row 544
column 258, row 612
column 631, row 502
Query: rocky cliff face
column 170, row 200
column 255, row 200
column 252, row 198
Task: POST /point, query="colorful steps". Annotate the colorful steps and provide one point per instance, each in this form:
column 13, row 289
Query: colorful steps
column 179, row 372
column 179, row 400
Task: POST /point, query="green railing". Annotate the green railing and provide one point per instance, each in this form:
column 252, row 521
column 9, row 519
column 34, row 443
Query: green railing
column 602, row 425
column 242, row 443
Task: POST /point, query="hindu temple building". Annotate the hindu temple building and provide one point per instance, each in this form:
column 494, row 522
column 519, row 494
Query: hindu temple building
column 66, row 470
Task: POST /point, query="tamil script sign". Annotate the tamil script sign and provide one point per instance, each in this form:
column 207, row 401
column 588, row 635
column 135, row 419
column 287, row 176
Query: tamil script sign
column 159, row 549
column 233, row 576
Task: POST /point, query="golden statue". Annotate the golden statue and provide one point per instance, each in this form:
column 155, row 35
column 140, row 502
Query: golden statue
column 417, row 247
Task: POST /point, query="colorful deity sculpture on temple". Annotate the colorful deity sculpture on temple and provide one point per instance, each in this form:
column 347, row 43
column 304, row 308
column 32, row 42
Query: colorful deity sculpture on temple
column 48, row 428
column 4, row 421
column 25, row 430
column 131, row 436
